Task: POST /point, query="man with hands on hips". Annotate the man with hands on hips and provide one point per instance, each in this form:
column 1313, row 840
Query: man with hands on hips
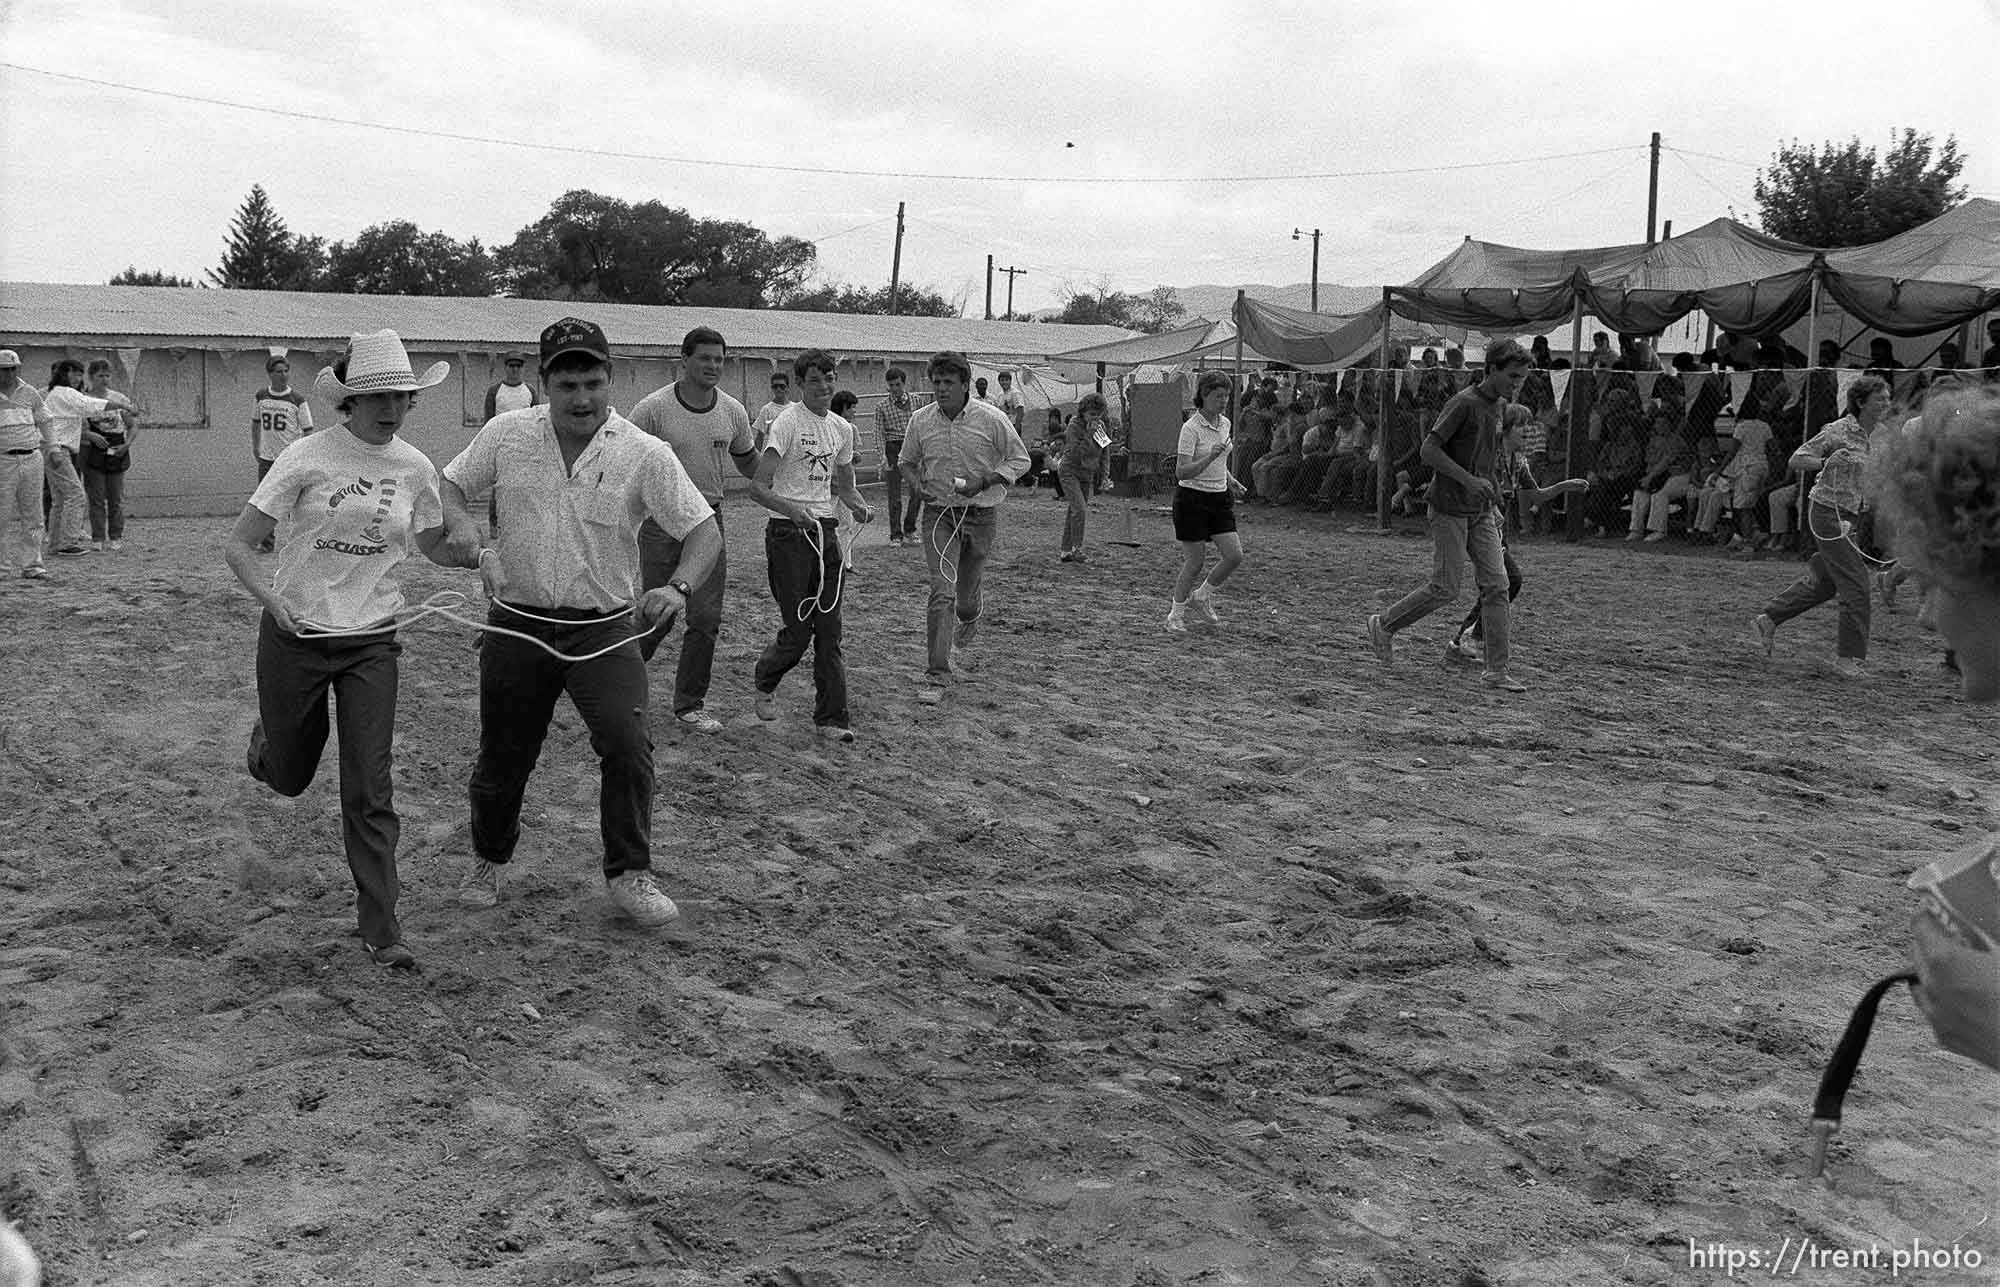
column 572, row 480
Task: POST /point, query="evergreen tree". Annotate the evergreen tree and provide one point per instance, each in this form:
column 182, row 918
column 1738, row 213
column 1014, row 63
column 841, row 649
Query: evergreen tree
column 151, row 277
column 262, row 254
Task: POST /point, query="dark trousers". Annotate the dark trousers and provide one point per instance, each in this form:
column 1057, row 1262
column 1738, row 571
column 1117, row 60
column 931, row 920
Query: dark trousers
column 659, row 559
column 905, row 502
column 107, row 503
column 1836, row 571
column 518, row 687
column 800, row 573
column 293, row 678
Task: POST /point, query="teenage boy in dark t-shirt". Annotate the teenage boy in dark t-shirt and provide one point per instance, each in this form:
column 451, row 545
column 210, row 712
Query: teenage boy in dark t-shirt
column 1463, row 448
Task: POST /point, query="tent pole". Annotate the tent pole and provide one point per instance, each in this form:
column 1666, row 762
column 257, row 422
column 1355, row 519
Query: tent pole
column 1384, row 427
column 1807, row 430
column 1572, row 507
column 1236, row 384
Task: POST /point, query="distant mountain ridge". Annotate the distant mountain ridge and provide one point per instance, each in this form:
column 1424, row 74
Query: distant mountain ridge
column 1215, row 302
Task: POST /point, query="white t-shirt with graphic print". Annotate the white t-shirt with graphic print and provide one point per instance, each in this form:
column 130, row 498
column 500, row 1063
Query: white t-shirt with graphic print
column 810, row 447
column 348, row 512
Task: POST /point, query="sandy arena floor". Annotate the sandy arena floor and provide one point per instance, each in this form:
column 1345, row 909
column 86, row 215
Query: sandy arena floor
column 1219, row 958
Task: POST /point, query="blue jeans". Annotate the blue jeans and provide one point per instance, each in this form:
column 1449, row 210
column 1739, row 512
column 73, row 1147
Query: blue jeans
column 1456, row 540
column 799, row 573
column 294, row 676
column 518, row 687
column 957, row 539
column 1836, row 571
column 1076, row 490
column 659, row 559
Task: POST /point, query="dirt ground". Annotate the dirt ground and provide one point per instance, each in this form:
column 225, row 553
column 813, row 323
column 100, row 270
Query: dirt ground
column 1146, row 959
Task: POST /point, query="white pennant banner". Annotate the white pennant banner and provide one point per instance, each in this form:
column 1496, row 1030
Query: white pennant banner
column 1843, row 380
column 1558, row 382
column 1739, row 390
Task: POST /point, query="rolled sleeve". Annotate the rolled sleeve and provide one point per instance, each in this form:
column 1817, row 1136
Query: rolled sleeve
column 474, row 470
column 670, row 497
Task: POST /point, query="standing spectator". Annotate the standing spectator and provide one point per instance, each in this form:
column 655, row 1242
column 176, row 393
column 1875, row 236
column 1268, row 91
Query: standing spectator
column 962, row 455
column 1463, row 447
column 1204, row 503
column 806, row 466
column 279, row 417
column 1012, row 403
column 892, row 420
column 511, row 392
column 354, row 503
column 1989, row 361
column 781, row 397
column 1088, row 434
column 27, row 440
column 1538, row 353
column 705, row 427
column 1835, row 516
column 68, row 407
column 1601, row 356
column 574, row 480
column 107, row 454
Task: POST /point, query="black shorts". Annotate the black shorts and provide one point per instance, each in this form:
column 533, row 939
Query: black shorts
column 1202, row 516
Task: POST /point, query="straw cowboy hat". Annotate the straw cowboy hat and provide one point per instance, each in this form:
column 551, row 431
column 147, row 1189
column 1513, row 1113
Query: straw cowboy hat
column 377, row 363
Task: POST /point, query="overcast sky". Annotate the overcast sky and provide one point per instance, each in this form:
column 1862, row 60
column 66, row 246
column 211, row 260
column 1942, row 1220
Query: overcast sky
column 1178, row 94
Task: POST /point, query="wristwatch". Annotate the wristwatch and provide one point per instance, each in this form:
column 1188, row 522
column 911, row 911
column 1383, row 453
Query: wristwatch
column 687, row 591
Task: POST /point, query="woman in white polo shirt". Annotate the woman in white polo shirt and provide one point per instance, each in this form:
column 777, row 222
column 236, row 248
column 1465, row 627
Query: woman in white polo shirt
column 1204, row 502
column 348, row 505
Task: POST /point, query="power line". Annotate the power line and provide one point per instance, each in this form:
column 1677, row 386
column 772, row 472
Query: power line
column 1728, row 200
column 658, row 158
column 1711, row 156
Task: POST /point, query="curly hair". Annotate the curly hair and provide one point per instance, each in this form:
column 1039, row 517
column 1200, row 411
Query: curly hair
column 1939, row 485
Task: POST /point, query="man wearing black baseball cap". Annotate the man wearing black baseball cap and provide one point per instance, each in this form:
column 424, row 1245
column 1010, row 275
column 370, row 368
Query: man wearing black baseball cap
column 572, row 481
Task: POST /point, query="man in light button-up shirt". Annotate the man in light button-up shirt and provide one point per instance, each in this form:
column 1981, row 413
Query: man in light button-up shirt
column 572, row 481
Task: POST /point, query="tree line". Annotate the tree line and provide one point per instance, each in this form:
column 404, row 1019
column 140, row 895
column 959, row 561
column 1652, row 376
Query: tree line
column 588, row 247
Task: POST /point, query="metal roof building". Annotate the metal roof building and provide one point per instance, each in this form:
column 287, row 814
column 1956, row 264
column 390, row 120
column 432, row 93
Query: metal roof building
column 194, row 360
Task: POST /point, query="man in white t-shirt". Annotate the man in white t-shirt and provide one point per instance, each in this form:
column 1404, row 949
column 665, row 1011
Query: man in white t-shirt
column 705, row 427
column 781, row 397
column 511, row 392
column 572, row 480
column 807, row 462
column 27, row 439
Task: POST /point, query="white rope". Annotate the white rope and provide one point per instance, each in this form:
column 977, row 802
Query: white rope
column 443, row 603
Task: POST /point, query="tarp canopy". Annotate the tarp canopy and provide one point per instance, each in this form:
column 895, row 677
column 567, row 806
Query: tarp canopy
column 1935, row 276
column 1177, row 347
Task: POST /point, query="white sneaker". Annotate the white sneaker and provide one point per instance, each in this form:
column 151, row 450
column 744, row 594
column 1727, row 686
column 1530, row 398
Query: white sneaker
column 698, row 721
column 834, row 732
column 1177, row 619
column 1203, row 600
column 1466, row 649
column 964, row 633
column 1382, row 640
column 116, row 546
column 480, row 886
column 638, row 895
column 1654, row 538
column 1767, row 632
column 1851, row 667
column 1503, row 681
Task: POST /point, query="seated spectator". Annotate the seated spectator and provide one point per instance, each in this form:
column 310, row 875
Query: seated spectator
column 1253, row 435
column 1351, row 441
column 1669, row 477
column 1316, row 450
column 1621, row 459
column 1275, row 471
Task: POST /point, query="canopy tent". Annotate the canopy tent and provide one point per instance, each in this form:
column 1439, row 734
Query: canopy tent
column 1202, row 339
column 1938, row 275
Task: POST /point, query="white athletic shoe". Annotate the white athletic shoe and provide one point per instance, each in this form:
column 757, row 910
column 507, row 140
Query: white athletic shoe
column 1203, row 600
column 698, row 721
column 1767, row 632
column 1851, row 667
column 1177, row 619
column 1382, row 640
column 1466, row 649
column 480, row 885
column 639, row 896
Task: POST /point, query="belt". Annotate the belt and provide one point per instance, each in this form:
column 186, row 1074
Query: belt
column 22, row 451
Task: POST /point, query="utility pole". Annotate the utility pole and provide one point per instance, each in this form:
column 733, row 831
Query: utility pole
column 1012, row 273
column 896, row 264
column 1653, row 191
column 989, row 288
column 1296, row 235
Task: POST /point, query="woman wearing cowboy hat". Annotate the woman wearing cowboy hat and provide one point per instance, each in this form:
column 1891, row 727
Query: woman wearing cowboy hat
column 348, row 505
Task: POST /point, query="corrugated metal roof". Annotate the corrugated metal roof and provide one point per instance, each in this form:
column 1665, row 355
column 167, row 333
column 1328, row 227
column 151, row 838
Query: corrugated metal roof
column 56, row 313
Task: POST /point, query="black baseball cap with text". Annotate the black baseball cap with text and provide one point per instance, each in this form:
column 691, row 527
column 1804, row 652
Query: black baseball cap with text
column 574, row 335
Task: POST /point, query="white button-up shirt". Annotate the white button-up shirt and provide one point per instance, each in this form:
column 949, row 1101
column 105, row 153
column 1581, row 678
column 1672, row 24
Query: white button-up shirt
column 569, row 538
